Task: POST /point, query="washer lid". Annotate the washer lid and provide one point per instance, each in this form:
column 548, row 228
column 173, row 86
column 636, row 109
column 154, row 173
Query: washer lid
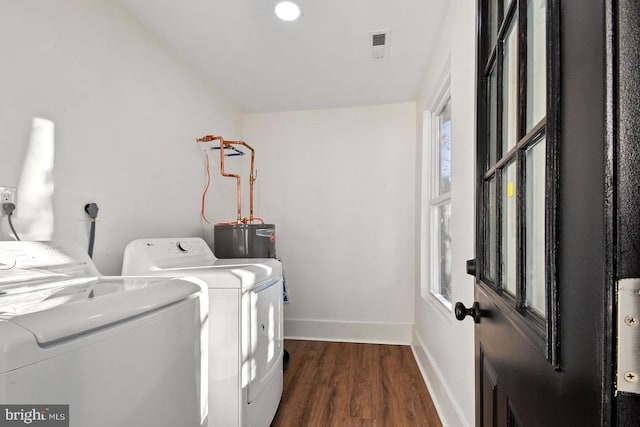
column 229, row 274
column 68, row 309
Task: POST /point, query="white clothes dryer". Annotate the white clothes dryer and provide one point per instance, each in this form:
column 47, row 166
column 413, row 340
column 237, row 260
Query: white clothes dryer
column 245, row 324
column 118, row 351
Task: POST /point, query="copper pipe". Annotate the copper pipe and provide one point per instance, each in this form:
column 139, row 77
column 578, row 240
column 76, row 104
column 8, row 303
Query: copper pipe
column 223, row 144
column 252, row 177
column 209, row 138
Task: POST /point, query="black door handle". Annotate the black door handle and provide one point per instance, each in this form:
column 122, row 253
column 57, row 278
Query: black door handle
column 474, row 311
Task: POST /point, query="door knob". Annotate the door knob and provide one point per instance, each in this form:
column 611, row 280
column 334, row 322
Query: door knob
column 461, row 311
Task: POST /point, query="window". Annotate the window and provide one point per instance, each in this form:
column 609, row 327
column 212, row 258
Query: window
column 436, row 240
column 517, row 150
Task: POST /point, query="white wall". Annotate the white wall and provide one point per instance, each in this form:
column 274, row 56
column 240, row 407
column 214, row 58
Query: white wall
column 126, row 114
column 442, row 345
column 339, row 185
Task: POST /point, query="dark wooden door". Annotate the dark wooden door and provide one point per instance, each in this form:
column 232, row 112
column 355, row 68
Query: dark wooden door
column 557, row 206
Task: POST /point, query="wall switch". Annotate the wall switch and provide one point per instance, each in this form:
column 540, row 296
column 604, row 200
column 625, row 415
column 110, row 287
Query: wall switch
column 8, row 195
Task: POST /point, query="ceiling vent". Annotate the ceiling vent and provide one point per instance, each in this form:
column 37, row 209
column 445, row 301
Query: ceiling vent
column 380, row 44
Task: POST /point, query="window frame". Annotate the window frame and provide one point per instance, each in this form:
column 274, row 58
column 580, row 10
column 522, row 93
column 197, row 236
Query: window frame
column 432, row 199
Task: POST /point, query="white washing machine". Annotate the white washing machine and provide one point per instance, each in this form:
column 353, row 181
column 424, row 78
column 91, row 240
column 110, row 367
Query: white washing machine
column 245, row 324
column 120, row 352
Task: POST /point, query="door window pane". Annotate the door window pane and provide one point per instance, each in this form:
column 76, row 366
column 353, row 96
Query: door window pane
column 493, row 24
column 536, row 62
column 509, row 228
column 444, row 165
column 535, row 276
column 510, row 89
column 492, row 113
column 491, row 230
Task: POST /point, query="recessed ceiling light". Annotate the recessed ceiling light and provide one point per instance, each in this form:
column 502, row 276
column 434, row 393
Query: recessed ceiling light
column 287, row 11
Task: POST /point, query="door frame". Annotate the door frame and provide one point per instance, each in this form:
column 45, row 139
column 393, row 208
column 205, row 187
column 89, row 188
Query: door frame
column 622, row 191
column 609, row 303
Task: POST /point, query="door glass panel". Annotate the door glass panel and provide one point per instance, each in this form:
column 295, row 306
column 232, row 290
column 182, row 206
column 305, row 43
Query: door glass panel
column 509, row 228
column 444, row 216
column 444, row 179
column 510, row 89
column 493, row 24
column 536, row 62
column 491, row 230
column 535, row 276
column 493, row 115
column 516, row 212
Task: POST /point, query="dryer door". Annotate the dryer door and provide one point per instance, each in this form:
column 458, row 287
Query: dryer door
column 265, row 336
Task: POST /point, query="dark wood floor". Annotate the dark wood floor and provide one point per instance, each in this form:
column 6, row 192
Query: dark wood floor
column 330, row 384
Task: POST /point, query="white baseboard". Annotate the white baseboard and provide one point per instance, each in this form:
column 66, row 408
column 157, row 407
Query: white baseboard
column 362, row 332
column 448, row 409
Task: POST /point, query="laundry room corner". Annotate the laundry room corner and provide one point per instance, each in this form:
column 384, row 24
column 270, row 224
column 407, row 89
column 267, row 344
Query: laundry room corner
column 102, row 112
column 338, row 183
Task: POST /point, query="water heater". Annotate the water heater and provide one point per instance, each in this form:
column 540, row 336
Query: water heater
column 244, row 240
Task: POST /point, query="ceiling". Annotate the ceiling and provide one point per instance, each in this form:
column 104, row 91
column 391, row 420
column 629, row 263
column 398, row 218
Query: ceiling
column 322, row 60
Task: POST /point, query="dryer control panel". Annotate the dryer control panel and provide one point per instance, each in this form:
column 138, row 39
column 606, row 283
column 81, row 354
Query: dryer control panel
column 144, row 255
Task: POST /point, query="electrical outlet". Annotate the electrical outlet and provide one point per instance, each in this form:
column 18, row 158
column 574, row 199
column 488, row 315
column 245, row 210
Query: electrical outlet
column 82, row 201
column 8, row 195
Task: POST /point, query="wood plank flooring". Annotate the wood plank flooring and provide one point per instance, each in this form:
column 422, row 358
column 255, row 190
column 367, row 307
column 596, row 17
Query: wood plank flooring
column 329, row 384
